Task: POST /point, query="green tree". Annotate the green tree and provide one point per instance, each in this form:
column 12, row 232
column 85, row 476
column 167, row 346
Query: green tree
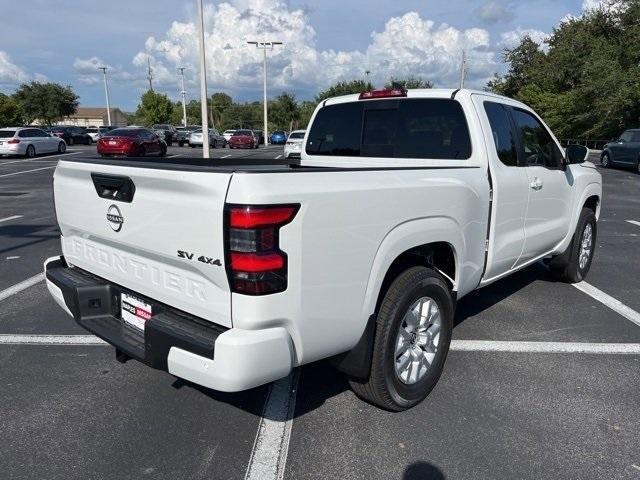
column 306, row 112
column 409, row 82
column 10, row 113
column 344, row 88
column 45, row 102
column 283, row 112
column 154, row 108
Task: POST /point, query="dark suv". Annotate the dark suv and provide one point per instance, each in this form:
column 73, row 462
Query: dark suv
column 623, row 152
column 71, row 135
column 167, row 132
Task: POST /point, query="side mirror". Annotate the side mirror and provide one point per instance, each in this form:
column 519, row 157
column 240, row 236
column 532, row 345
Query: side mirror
column 576, row 154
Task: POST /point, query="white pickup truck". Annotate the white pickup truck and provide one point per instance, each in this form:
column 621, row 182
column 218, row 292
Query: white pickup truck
column 230, row 275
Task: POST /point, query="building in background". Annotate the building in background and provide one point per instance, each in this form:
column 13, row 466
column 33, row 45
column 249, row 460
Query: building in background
column 95, row 117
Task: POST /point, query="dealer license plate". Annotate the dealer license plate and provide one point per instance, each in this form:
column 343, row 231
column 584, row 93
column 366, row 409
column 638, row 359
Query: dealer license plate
column 134, row 311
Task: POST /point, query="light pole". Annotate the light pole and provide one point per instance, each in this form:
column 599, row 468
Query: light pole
column 264, row 46
column 203, row 86
column 106, row 92
column 184, row 94
column 463, row 68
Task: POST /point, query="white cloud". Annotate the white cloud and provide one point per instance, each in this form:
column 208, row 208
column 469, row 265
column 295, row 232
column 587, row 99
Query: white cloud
column 493, row 12
column 10, row 73
column 512, row 38
column 408, row 45
column 88, row 73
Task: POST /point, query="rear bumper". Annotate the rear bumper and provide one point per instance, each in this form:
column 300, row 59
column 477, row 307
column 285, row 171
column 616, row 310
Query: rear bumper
column 188, row 347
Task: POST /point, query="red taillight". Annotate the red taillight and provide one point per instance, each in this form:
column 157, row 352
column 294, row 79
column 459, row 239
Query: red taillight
column 14, row 140
column 384, row 93
column 255, row 263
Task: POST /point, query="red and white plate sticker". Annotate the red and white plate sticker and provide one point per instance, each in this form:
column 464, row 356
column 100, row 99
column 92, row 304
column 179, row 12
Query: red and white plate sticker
column 134, row 311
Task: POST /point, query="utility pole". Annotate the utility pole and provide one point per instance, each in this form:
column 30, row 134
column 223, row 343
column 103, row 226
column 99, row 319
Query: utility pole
column 184, row 95
column 463, row 68
column 264, row 46
column 106, row 92
column 149, row 74
column 203, row 85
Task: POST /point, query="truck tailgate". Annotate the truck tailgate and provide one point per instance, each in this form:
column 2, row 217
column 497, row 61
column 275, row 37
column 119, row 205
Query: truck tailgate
column 165, row 242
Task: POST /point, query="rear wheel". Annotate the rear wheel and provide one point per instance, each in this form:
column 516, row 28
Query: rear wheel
column 62, row 147
column 605, row 161
column 413, row 333
column 163, row 151
column 70, row 142
column 31, row 152
column 574, row 264
column 215, row 144
column 142, row 151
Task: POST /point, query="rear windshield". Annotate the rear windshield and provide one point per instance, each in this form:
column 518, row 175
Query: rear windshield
column 242, row 132
column 59, row 129
column 297, row 135
column 409, row 128
column 7, row 133
column 279, row 132
column 124, row 132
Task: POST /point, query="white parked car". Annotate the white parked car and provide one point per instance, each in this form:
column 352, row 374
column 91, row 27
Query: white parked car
column 230, row 275
column 215, row 139
column 29, row 142
column 227, row 134
column 293, row 147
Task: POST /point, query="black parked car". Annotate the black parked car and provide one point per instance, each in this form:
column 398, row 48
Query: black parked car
column 260, row 136
column 167, row 132
column 624, row 152
column 71, row 135
column 183, row 133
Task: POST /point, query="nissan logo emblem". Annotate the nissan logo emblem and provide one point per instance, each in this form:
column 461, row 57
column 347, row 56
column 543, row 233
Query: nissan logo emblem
column 114, row 217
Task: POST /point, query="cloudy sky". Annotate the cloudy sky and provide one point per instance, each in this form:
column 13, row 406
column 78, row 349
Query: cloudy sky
column 325, row 41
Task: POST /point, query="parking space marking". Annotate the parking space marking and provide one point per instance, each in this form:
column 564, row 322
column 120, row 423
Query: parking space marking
column 609, row 301
column 633, row 222
column 225, row 156
column 51, row 158
column 23, row 285
column 8, row 339
column 544, row 347
column 269, row 455
column 26, row 171
column 13, row 217
column 174, row 155
column 278, row 157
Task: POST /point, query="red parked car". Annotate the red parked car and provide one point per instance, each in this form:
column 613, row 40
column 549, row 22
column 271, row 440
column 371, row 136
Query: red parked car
column 243, row 139
column 132, row 142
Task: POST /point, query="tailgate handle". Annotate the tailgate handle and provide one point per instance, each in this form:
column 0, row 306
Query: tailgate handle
column 114, row 187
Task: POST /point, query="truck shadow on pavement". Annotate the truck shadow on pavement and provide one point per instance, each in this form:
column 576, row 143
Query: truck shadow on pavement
column 28, row 235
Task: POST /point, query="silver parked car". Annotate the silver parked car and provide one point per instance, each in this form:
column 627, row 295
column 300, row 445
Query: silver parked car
column 215, row 139
column 29, row 142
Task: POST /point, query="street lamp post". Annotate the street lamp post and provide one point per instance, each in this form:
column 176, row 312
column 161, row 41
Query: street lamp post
column 184, row 95
column 264, row 46
column 106, row 92
column 203, row 86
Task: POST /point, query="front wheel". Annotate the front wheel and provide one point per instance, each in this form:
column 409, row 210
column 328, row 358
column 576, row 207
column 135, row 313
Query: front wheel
column 62, row 147
column 31, row 152
column 413, row 333
column 605, row 161
column 574, row 264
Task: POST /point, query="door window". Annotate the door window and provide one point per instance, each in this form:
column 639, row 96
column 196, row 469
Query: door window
column 626, row 136
column 502, row 133
column 537, row 146
column 636, row 136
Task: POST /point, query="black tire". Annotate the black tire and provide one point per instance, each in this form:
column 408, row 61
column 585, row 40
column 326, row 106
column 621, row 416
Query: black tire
column 181, row 143
column 214, row 144
column 30, row 152
column 566, row 267
column 192, row 146
column 163, row 151
column 142, row 152
column 605, row 160
column 383, row 387
column 62, row 147
column 70, row 142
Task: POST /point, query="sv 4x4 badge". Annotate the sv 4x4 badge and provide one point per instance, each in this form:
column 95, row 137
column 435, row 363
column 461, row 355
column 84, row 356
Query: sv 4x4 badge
column 201, row 258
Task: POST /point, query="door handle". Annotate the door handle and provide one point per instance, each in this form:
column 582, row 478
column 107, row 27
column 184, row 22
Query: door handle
column 536, row 184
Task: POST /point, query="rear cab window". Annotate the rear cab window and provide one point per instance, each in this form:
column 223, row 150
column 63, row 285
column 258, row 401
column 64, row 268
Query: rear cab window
column 410, row 128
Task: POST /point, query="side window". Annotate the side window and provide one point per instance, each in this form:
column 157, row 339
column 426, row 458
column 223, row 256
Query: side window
column 336, row 130
column 537, row 145
column 502, row 133
column 636, row 136
column 626, row 136
column 25, row 133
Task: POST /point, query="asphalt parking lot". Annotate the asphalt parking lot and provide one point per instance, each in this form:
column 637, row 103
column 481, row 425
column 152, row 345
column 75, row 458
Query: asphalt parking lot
column 543, row 379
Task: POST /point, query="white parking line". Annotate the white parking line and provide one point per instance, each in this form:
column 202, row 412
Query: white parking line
column 278, row 157
column 23, row 285
column 26, row 171
column 544, row 347
column 50, row 158
column 269, row 455
column 633, row 222
column 51, row 340
column 13, row 217
column 609, row 301
column 225, row 156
